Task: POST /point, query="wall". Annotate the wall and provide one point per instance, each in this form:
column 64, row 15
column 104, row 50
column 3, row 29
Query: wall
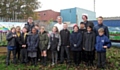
column 69, row 15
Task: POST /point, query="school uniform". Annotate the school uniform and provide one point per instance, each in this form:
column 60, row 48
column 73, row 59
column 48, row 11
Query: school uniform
column 88, row 46
column 11, row 47
column 82, row 31
column 18, row 45
column 75, row 41
column 54, row 45
column 101, row 52
column 65, row 42
column 33, row 42
column 23, row 51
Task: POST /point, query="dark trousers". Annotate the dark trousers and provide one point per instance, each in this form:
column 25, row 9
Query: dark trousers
column 101, row 59
column 77, row 57
column 66, row 50
column 23, row 55
column 54, row 56
column 89, row 56
column 18, row 52
column 8, row 56
column 38, row 53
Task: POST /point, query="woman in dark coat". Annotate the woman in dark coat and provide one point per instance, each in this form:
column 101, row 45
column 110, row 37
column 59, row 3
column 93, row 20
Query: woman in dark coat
column 76, row 48
column 33, row 41
column 11, row 47
column 43, row 44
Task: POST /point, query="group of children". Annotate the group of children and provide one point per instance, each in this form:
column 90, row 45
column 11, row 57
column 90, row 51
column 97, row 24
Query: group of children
column 82, row 42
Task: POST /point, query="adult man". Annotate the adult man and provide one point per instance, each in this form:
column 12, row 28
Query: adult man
column 30, row 24
column 101, row 25
column 86, row 22
column 59, row 25
column 65, row 43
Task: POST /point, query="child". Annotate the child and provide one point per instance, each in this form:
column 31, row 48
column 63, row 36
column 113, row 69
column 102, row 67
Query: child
column 54, row 44
column 82, row 30
column 76, row 48
column 88, row 45
column 43, row 44
column 23, row 52
column 18, row 45
column 32, row 42
column 11, row 47
column 102, row 43
column 65, row 43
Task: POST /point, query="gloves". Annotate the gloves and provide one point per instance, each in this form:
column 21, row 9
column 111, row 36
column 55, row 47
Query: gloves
column 58, row 48
column 75, row 45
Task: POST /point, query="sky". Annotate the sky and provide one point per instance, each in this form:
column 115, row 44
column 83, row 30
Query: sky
column 105, row 8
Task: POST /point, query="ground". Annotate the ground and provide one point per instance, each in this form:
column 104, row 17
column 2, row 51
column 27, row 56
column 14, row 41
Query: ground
column 113, row 63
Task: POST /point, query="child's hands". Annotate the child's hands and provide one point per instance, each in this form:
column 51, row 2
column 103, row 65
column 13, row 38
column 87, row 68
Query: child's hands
column 23, row 45
column 104, row 46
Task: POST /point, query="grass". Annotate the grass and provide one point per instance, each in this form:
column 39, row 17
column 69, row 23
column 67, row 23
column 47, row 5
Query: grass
column 113, row 63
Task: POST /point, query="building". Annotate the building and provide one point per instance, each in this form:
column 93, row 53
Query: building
column 74, row 15
column 47, row 15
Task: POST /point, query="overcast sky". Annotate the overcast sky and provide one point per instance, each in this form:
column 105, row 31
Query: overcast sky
column 105, row 8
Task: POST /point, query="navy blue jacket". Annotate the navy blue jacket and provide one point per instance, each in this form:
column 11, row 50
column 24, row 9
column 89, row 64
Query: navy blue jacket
column 76, row 38
column 102, row 41
column 106, row 31
column 32, row 42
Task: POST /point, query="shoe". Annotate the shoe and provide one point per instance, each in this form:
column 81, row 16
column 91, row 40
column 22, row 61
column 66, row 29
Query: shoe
column 61, row 62
column 53, row 64
column 7, row 64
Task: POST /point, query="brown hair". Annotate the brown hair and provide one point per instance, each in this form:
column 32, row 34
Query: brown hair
column 12, row 28
column 100, row 17
column 56, row 28
column 18, row 27
column 100, row 30
column 30, row 18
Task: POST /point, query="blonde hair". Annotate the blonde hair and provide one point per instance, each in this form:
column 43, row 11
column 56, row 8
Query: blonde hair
column 100, row 30
column 18, row 27
column 30, row 18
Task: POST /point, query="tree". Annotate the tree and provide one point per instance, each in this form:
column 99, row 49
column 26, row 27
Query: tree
column 18, row 9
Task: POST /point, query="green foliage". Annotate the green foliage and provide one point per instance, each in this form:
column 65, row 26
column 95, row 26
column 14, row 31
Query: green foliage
column 113, row 63
column 22, row 8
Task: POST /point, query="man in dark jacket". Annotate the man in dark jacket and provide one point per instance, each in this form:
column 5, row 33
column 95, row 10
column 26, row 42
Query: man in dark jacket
column 86, row 22
column 101, row 25
column 30, row 24
column 65, row 43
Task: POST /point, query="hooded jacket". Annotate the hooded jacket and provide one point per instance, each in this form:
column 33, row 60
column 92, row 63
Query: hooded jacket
column 102, row 41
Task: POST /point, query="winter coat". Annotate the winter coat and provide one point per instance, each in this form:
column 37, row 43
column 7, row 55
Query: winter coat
column 33, row 42
column 82, row 31
column 54, row 41
column 29, row 27
column 76, row 38
column 102, row 41
column 18, row 41
column 89, row 41
column 24, row 41
column 43, row 43
column 11, row 41
column 65, row 36
column 97, row 27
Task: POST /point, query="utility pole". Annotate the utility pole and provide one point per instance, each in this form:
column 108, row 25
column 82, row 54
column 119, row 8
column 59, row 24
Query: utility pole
column 94, row 6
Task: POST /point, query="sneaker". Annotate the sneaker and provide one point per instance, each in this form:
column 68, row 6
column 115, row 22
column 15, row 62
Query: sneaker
column 53, row 64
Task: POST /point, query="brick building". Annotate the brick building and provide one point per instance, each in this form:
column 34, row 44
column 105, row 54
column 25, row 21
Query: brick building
column 47, row 15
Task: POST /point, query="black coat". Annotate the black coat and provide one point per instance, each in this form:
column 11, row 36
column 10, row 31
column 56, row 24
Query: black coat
column 82, row 31
column 29, row 27
column 11, row 40
column 89, row 41
column 18, row 41
column 106, row 31
column 32, row 42
column 89, row 23
column 76, row 38
column 24, row 41
column 65, row 36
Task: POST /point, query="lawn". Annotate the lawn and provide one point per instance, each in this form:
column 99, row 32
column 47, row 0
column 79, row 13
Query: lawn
column 113, row 63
